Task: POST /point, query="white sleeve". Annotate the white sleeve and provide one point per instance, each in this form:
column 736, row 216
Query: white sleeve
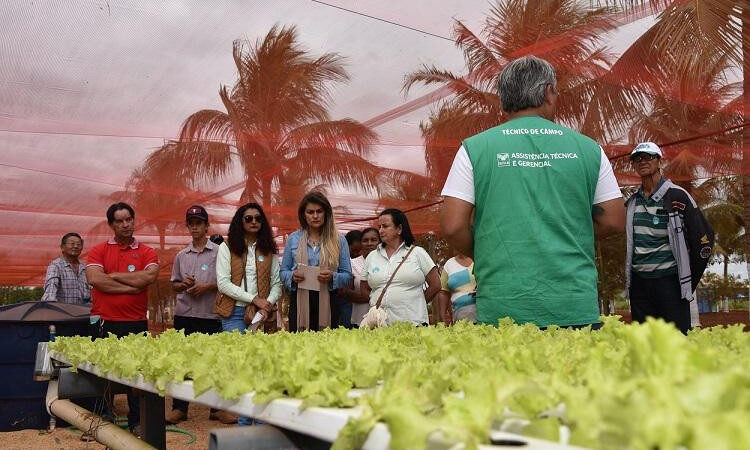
column 224, row 276
column 275, row 293
column 460, row 181
column 606, row 187
column 425, row 261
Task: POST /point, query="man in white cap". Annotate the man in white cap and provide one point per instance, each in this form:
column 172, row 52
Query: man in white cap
column 669, row 243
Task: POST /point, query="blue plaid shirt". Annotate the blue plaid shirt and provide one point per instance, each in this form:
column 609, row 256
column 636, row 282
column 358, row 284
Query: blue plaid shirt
column 63, row 284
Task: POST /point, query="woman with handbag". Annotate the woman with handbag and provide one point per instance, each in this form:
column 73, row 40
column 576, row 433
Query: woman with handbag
column 395, row 273
column 247, row 272
column 316, row 248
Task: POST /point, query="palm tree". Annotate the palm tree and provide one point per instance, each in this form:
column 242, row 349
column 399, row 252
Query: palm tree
column 276, row 125
column 564, row 32
column 724, row 209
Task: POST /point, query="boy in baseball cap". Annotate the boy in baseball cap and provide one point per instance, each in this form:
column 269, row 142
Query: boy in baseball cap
column 194, row 280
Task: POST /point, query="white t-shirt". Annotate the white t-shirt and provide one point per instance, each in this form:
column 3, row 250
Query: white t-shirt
column 460, row 181
column 358, row 309
column 404, row 299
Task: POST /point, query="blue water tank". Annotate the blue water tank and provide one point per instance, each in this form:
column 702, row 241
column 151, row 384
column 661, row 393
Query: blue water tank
column 22, row 326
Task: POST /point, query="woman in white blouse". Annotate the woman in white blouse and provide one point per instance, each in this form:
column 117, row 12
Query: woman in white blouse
column 404, row 300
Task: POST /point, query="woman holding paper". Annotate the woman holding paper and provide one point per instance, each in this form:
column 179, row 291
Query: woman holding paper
column 250, row 245
column 395, row 273
column 315, row 262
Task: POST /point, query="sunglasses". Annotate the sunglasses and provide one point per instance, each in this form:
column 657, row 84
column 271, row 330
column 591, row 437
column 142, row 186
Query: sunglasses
column 643, row 157
column 249, row 219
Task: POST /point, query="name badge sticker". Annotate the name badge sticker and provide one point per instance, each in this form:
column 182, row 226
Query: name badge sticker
column 131, row 268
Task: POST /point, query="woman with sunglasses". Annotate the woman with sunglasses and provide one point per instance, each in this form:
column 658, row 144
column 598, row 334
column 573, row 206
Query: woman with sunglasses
column 247, row 270
column 316, row 243
column 251, row 240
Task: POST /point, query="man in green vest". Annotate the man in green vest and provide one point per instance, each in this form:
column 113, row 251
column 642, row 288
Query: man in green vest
column 539, row 193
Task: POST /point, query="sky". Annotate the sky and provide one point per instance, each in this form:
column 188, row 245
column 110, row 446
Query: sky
column 89, row 88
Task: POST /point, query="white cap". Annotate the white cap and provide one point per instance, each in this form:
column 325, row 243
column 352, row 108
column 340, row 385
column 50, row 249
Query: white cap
column 647, row 147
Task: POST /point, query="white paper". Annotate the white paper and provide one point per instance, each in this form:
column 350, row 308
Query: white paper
column 310, row 273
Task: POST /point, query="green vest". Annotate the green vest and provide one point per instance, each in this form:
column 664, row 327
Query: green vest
column 534, row 184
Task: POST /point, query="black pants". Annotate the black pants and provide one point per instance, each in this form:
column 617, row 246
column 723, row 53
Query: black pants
column 192, row 325
column 341, row 311
column 659, row 298
column 101, row 329
column 314, row 298
column 594, row 326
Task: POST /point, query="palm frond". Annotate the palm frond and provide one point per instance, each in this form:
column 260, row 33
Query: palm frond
column 716, row 21
column 429, row 75
column 207, row 125
column 481, row 61
column 332, row 165
column 286, row 84
column 404, row 185
column 346, row 134
column 193, row 160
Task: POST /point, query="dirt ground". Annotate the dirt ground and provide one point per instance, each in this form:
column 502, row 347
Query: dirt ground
column 69, row 439
column 725, row 318
column 711, row 319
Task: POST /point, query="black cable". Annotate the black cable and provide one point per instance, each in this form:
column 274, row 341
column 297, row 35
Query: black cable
column 385, row 20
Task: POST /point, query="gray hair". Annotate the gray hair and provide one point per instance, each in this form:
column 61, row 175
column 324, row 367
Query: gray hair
column 523, row 82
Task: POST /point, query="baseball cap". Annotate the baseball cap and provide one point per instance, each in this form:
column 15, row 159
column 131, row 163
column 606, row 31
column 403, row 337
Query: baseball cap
column 198, row 212
column 647, row 147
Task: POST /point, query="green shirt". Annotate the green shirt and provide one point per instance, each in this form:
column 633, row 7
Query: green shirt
column 652, row 255
column 534, row 184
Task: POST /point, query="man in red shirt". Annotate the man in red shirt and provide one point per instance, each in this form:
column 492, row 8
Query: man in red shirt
column 120, row 271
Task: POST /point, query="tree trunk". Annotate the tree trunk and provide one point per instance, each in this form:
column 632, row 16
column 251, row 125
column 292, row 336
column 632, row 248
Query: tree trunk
column 746, row 130
column 267, row 183
column 726, row 268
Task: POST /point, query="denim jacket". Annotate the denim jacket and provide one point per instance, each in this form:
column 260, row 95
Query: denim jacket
column 341, row 277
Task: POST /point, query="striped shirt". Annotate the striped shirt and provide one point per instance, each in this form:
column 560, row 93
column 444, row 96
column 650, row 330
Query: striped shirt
column 652, row 255
column 63, row 284
column 458, row 280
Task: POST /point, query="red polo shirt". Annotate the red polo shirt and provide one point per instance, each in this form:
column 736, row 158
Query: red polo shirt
column 113, row 257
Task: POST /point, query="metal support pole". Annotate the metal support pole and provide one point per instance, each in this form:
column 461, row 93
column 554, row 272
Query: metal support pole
column 153, row 426
column 262, row 437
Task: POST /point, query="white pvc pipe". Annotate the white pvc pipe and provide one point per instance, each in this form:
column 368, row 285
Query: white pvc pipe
column 104, row 432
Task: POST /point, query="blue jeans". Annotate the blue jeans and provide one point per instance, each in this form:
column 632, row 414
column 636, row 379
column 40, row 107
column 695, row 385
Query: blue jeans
column 237, row 322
